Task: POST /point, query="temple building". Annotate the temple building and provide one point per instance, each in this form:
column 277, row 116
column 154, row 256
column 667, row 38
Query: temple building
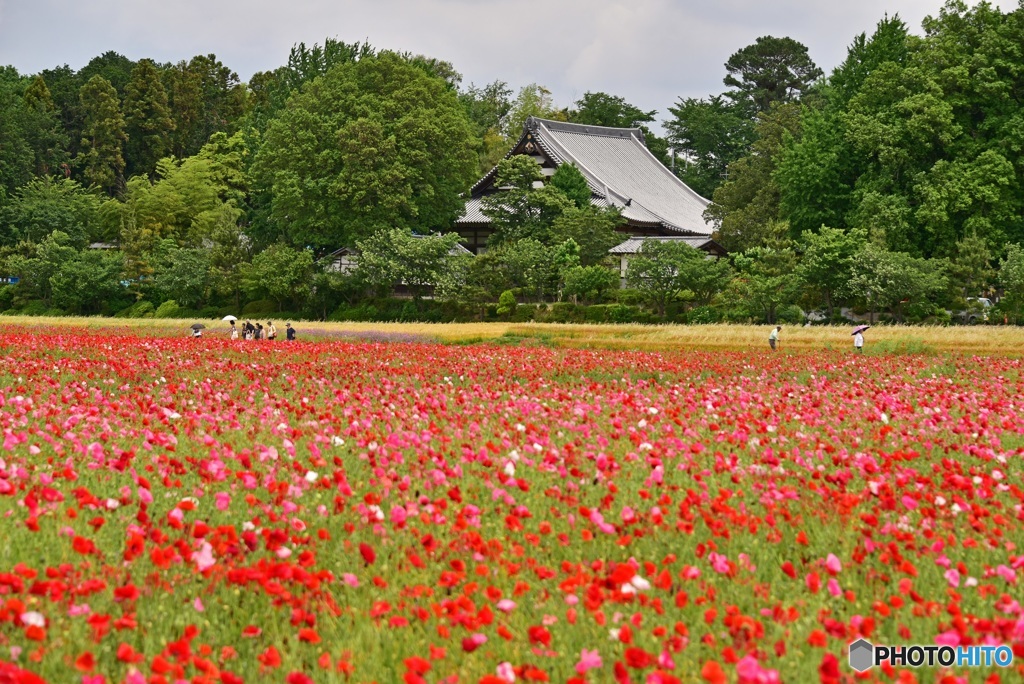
column 621, row 172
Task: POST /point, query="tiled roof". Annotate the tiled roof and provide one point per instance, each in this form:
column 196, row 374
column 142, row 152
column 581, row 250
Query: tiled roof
column 621, row 172
column 632, row 245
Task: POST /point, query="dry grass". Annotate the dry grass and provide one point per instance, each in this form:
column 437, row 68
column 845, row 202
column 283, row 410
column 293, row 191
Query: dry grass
column 993, row 340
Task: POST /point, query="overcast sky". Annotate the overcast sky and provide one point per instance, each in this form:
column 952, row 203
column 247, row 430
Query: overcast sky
column 649, row 51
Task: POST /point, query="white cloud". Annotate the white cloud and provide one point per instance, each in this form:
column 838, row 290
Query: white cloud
column 649, row 51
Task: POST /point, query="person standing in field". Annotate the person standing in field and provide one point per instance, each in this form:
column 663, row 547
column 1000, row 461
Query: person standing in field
column 289, row 332
column 234, row 331
column 773, row 338
column 858, row 342
column 271, row 331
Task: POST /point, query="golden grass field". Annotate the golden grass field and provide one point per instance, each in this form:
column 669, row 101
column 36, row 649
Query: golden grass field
column 981, row 340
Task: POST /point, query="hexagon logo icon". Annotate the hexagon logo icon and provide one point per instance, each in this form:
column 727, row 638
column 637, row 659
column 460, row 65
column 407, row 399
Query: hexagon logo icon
column 862, row 655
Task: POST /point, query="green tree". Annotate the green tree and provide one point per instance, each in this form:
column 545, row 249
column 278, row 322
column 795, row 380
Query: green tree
column 663, row 269
column 768, row 71
column 103, row 136
column 88, row 282
column 970, row 269
column 205, row 97
column 44, row 205
column 373, row 144
column 34, row 269
column 43, row 131
column 147, row 119
column 1011, row 277
column 888, row 280
column 708, row 135
column 397, row 256
column 533, row 100
column 592, row 228
column 113, row 67
column 889, row 43
column 269, row 90
column 819, row 168
column 531, row 266
column 602, row 109
column 16, row 158
column 194, row 203
column 185, row 276
column 519, row 210
column 918, row 140
column 705, row 278
column 766, row 280
column 827, row 263
column 573, row 184
column 279, row 273
column 228, row 255
column 747, row 203
column 488, row 109
column 589, row 283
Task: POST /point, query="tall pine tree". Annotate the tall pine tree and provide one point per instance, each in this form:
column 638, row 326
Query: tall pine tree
column 43, row 130
column 101, row 155
column 148, row 119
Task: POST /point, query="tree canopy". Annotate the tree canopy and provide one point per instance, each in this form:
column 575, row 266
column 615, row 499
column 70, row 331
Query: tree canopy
column 372, row 144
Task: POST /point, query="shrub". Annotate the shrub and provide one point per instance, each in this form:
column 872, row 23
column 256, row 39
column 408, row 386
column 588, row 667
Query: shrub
column 626, row 296
column 620, row 313
column 408, row 312
column 168, row 309
column 507, row 303
column 703, row 315
column 524, row 314
column 141, row 309
column 34, row 308
column 791, row 314
column 566, row 312
column 259, row 307
column 598, row 313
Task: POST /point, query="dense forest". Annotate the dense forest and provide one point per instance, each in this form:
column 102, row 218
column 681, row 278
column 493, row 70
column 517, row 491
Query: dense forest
column 893, row 184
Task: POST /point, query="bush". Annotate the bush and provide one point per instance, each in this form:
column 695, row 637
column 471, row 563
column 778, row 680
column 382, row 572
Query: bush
column 620, row 313
column 507, row 303
column 791, row 314
column 598, row 313
column 168, row 309
column 142, row 309
column 524, row 314
column 566, row 312
column 259, row 306
column 34, row 308
column 626, row 296
column 408, row 312
column 702, row 315
column 6, row 296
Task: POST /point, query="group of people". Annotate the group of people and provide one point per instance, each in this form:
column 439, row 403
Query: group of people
column 858, row 338
column 258, row 332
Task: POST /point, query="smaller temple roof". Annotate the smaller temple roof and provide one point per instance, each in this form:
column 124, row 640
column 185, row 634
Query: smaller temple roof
column 633, row 244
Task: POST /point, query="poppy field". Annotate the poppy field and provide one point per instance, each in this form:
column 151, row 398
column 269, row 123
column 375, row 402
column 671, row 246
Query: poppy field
column 180, row 510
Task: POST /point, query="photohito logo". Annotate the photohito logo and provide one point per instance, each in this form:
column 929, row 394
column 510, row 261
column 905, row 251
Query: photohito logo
column 864, row 655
